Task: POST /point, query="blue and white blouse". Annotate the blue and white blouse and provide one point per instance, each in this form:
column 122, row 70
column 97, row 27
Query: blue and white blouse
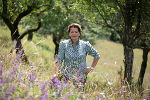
column 74, row 57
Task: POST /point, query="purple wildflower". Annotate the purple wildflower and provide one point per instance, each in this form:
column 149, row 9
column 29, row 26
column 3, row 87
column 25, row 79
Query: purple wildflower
column 43, row 88
column 16, row 97
column 82, row 81
column 122, row 90
column 20, row 76
column 16, row 59
column 1, row 97
column 13, row 89
column 7, row 93
column 148, row 92
column 21, row 52
column 64, row 79
column 80, row 88
column 115, row 89
column 58, row 94
column 103, row 95
column 145, row 97
column 149, row 86
column 7, row 98
column 56, row 82
column 45, row 97
column 1, row 69
column 121, row 93
column 1, row 72
column 1, row 82
column 80, row 78
column 29, row 98
column 79, row 72
column 32, row 76
column 44, row 94
column 15, row 69
column 97, row 98
column 129, row 99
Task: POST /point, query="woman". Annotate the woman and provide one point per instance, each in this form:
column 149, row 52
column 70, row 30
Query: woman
column 71, row 59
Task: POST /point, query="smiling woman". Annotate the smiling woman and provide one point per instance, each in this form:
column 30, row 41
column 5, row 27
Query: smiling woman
column 74, row 35
column 72, row 53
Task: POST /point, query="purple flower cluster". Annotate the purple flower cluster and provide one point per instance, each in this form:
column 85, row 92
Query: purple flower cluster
column 18, row 82
column 44, row 92
column 8, row 78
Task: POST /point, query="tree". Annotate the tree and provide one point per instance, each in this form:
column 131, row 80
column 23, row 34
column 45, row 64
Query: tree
column 144, row 44
column 12, row 12
column 55, row 22
column 127, row 18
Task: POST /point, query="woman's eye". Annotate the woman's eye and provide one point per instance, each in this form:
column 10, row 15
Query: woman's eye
column 74, row 32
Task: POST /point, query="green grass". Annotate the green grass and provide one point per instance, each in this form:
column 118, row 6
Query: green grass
column 112, row 56
column 41, row 50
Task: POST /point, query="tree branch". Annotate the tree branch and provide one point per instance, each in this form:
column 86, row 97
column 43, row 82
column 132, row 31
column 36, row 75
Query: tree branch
column 121, row 8
column 5, row 15
column 138, row 26
column 5, row 7
column 91, row 30
column 21, row 15
column 144, row 30
column 31, row 30
column 106, row 23
column 39, row 22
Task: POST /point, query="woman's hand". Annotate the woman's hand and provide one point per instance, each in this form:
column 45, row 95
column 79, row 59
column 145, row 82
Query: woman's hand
column 58, row 65
column 88, row 69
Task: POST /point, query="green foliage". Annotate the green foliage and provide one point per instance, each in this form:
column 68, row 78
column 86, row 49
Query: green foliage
column 37, row 14
column 56, row 21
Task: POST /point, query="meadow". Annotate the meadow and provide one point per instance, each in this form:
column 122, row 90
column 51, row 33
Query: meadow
column 33, row 81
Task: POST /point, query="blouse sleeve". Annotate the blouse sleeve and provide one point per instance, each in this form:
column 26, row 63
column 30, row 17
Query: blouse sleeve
column 61, row 52
column 91, row 51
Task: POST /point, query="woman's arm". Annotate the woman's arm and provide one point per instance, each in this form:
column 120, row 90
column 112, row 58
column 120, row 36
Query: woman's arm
column 60, row 57
column 91, row 51
column 94, row 63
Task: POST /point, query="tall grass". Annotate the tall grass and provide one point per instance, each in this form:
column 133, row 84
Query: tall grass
column 33, row 81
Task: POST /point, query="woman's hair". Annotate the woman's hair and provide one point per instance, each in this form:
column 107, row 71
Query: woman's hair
column 75, row 25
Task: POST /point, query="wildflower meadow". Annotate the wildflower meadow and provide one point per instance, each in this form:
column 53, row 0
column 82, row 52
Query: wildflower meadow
column 37, row 79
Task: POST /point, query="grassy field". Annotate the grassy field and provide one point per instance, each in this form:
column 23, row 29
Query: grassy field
column 104, row 77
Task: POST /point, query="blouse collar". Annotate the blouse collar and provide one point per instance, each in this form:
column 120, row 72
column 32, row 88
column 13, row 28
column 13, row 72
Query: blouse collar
column 70, row 42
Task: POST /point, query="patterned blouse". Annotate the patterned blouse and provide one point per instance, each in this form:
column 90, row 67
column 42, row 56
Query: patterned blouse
column 74, row 57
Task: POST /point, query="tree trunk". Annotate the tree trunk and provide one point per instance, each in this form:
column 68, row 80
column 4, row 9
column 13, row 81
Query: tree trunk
column 143, row 67
column 30, row 37
column 56, row 48
column 128, row 62
column 17, row 44
column 15, row 37
column 56, row 42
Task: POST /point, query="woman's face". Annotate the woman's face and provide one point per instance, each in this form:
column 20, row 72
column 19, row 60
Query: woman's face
column 74, row 33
